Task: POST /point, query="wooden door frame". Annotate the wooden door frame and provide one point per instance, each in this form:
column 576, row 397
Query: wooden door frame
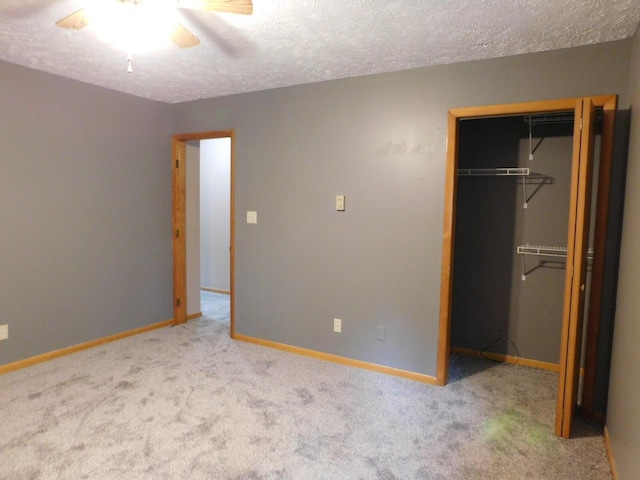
column 609, row 104
column 179, row 184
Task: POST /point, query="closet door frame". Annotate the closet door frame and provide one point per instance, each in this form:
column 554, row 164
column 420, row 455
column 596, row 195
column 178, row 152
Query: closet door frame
column 608, row 103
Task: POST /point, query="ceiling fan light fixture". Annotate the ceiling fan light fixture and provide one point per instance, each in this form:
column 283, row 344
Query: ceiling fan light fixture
column 139, row 25
column 133, row 25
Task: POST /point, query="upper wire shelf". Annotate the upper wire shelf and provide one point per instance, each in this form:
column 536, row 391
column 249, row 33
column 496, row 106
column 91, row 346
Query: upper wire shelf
column 472, row 172
column 527, row 176
column 556, row 117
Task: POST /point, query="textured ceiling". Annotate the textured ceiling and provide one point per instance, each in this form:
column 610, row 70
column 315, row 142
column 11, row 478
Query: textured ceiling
column 288, row 42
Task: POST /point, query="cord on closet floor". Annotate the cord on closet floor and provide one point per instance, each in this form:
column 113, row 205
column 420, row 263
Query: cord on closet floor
column 500, row 334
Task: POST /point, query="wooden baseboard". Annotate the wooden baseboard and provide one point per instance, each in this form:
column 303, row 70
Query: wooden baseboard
column 27, row 362
column 216, row 290
column 526, row 362
column 612, row 460
column 338, row 359
column 191, row 316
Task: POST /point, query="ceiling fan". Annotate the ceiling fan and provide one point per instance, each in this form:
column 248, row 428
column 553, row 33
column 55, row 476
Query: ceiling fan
column 180, row 35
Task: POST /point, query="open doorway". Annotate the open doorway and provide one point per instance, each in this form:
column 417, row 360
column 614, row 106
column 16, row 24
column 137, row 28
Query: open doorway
column 208, row 197
column 203, row 213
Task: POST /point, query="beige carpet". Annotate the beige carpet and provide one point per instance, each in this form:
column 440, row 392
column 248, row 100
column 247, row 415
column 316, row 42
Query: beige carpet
column 189, row 403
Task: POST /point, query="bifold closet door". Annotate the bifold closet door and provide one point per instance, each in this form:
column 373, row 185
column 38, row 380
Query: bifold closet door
column 576, row 271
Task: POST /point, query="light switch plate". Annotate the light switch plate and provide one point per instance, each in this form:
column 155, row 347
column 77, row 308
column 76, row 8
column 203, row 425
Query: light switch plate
column 4, row 332
column 252, row 217
column 337, row 325
column 340, row 206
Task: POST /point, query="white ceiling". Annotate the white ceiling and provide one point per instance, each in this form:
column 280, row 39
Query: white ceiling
column 288, row 42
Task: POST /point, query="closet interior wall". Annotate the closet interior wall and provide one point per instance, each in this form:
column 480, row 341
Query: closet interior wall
column 493, row 308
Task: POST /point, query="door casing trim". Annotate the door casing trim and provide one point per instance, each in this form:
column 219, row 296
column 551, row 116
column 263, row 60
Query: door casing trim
column 179, row 184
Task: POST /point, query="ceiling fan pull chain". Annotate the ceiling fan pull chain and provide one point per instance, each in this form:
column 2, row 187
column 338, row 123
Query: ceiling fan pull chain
column 130, row 27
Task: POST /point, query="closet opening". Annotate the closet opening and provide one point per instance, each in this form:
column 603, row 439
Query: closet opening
column 512, row 216
column 523, row 222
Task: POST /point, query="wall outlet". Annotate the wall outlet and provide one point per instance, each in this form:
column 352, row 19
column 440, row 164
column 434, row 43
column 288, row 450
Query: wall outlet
column 337, row 325
column 4, row 332
column 382, row 333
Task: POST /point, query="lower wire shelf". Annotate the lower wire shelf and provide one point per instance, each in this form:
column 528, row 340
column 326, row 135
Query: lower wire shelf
column 543, row 251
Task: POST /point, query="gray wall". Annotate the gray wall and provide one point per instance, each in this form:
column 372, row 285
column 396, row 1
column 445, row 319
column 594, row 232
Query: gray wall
column 85, row 216
column 215, row 200
column 623, row 417
column 379, row 140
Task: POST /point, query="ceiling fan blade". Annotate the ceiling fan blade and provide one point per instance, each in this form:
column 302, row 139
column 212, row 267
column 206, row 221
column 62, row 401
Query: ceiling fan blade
column 183, row 37
column 76, row 20
column 243, row 7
